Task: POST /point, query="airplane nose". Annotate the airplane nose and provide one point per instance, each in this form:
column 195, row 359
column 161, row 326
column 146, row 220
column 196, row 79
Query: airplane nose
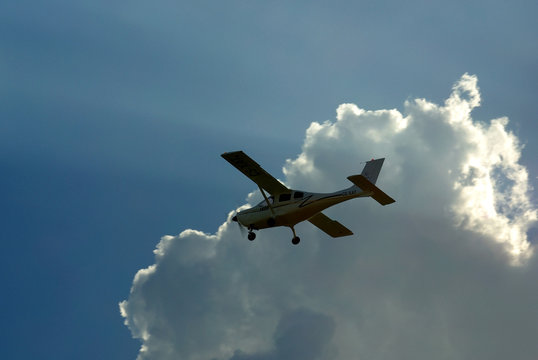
column 234, row 218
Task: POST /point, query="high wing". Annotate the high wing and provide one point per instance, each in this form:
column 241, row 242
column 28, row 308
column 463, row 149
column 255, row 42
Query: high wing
column 329, row 226
column 255, row 172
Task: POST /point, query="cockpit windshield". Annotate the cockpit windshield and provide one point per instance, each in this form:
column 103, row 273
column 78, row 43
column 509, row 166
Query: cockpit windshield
column 264, row 203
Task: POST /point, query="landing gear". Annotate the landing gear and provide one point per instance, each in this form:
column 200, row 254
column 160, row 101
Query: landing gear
column 251, row 235
column 295, row 239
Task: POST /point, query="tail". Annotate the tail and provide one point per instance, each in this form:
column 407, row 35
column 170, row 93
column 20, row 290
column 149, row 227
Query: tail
column 371, row 169
column 367, row 179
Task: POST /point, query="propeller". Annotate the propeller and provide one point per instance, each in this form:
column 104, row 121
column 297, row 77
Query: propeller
column 241, row 227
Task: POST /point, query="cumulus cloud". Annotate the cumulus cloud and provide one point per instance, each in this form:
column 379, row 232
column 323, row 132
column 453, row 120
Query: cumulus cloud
column 446, row 272
column 300, row 334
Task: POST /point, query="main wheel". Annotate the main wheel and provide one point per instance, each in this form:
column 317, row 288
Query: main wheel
column 295, row 240
column 251, row 236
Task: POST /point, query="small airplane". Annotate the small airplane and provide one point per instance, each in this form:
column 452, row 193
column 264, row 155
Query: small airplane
column 287, row 207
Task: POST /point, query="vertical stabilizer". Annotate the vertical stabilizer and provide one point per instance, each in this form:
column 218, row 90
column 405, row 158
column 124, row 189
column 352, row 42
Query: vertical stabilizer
column 371, row 169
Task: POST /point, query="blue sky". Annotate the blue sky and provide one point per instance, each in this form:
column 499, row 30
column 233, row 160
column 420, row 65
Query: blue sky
column 113, row 116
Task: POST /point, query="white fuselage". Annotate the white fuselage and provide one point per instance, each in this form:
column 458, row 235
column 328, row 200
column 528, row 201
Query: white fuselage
column 299, row 207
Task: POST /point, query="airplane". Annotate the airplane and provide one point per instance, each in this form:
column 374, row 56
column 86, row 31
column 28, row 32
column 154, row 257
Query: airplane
column 288, row 207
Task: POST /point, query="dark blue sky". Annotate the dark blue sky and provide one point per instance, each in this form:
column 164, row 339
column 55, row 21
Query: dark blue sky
column 113, row 116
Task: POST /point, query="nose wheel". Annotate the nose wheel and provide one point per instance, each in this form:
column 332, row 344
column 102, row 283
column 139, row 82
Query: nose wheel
column 295, row 239
column 251, row 235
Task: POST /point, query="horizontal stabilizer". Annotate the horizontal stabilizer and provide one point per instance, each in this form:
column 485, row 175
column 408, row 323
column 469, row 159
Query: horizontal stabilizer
column 329, row 226
column 378, row 195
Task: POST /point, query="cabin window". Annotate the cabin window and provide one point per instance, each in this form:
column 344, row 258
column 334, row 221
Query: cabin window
column 284, row 197
column 298, row 195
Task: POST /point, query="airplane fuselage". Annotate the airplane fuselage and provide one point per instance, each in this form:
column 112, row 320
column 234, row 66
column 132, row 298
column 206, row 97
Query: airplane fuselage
column 290, row 209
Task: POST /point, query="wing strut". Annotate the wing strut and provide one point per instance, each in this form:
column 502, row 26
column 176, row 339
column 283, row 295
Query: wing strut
column 267, row 201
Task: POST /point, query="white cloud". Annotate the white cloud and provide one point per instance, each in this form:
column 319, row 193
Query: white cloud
column 446, row 272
